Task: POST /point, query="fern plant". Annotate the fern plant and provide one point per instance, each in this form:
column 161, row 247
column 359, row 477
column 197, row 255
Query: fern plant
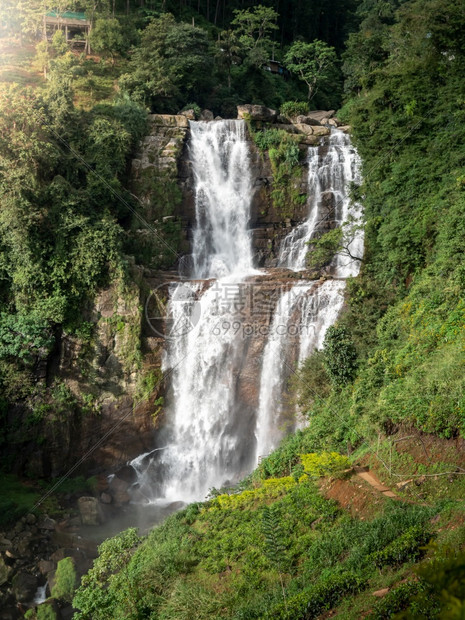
column 275, row 549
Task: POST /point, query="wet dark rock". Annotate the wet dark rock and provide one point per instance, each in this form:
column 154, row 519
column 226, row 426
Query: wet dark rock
column 24, row 542
column 47, row 524
column 175, row 506
column 24, row 587
column 89, row 510
column 5, row 571
column 45, row 566
column 65, row 552
column 127, row 473
column 119, row 491
column 67, row 612
column 5, row 542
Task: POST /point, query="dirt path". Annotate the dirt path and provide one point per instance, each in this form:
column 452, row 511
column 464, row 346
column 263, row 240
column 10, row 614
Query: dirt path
column 375, row 483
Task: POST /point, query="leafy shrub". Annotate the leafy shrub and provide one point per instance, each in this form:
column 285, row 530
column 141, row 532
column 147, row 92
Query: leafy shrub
column 444, row 580
column 269, row 138
column 194, row 107
column 24, row 336
column 400, row 598
column 324, row 463
column 284, row 154
column 271, row 488
column 340, row 356
column 406, row 547
column 46, row 611
column 282, row 461
column 314, row 600
column 291, row 109
column 323, row 249
column 93, row 598
column 65, row 580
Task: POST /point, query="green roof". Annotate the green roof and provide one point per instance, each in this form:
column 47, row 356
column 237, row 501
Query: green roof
column 67, row 15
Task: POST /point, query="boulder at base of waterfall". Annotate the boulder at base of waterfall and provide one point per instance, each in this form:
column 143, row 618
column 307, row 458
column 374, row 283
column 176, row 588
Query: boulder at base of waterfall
column 5, row 571
column 106, row 498
column 119, row 491
column 256, row 113
column 127, row 473
column 24, row 587
column 45, row 566
column 89, row 510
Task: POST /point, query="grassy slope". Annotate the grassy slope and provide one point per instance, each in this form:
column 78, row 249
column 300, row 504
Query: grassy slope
column 231, row 557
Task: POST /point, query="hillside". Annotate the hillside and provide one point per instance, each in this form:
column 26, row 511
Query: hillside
column 360, row 513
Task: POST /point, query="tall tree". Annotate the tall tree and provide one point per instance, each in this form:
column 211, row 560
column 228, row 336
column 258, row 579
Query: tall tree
column 313, row 62
column 254, row 28
column 171, row 65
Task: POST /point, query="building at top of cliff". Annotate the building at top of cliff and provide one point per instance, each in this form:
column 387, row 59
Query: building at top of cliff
column 74, row 24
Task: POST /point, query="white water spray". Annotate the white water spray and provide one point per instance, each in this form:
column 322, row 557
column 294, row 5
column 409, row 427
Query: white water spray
column 223, row 189
column 331, row 170
column 305, row 311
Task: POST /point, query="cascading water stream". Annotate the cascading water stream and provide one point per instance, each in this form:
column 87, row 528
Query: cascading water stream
column 211, row 436
column 331, row 170
column 223, row 189
column 205, row 431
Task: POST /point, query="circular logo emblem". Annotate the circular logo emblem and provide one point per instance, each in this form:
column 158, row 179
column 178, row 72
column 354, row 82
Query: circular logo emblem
column 173, row 309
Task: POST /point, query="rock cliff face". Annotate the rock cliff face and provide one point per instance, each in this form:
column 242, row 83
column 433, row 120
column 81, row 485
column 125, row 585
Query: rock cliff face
column 268, row 226
column 102, row 373
column 92, row 390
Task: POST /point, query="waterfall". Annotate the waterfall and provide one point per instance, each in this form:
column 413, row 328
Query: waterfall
column 305, row 311
column 275, row 359
column 331, row 170
column 227, row 380
column 208, row 437
column 223, row 188
column 205, row 428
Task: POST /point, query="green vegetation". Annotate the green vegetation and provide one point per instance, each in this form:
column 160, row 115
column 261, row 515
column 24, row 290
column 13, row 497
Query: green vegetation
column 277, row 549
column 405, row 314
column 16, row 500
column 65, row 580
column 314, row 63
column 284, row 153
column 275, row 546
column 292, row 109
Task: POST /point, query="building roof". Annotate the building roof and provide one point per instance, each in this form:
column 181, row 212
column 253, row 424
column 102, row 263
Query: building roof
column 67, row 15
